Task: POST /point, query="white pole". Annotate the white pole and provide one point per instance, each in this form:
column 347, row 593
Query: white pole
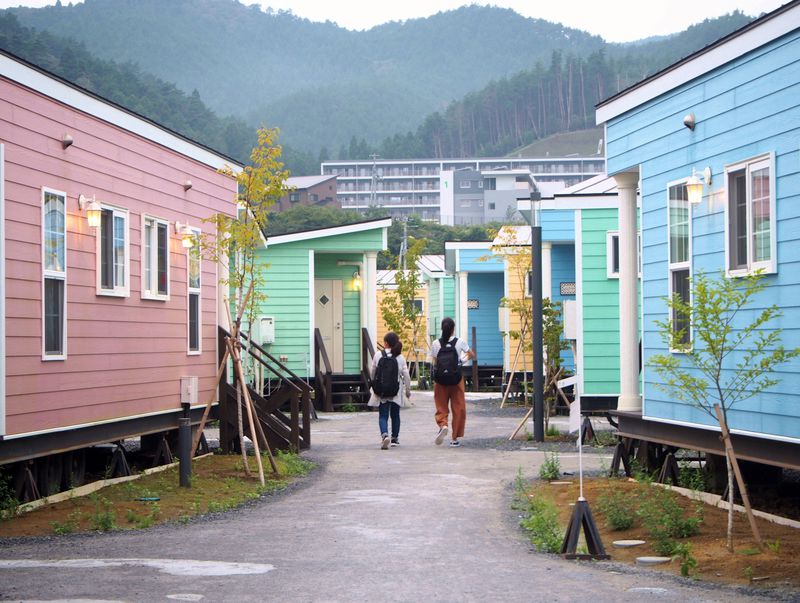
column 580, row 462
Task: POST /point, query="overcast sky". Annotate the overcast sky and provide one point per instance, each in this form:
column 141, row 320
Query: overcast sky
column 614, row 20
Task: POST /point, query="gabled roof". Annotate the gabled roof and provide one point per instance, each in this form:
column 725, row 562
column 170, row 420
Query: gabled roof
column 301, row 182
column 596, row 185
column 431, row 264
column 330, row 231
column 63, row 91
column 728, row 48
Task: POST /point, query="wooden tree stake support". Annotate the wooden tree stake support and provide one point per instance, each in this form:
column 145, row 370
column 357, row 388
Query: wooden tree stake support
column 582, row 519
column 726, row 438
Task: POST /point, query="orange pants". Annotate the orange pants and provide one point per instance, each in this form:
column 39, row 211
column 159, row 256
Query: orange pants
column 454, row 395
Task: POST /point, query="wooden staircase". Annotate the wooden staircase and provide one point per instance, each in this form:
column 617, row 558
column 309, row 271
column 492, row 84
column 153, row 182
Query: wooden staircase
column 341, row 391
column 284, row 414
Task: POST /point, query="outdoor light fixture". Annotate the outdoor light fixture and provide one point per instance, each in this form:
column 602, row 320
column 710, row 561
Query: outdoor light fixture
column 187, row 235
column 187, row 185
column 689, row 121
column 694, row 185
column 357, row 281
column 66, row 141
column 92, row 209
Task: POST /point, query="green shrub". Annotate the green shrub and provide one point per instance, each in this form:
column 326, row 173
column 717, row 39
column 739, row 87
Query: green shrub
column 293, row 464
column 103, row 519
column 552, row 431
column 8, row 499
column 551, row 467
column 617, row 508
column 664, row 518
column 683, row 552
column 693, row 478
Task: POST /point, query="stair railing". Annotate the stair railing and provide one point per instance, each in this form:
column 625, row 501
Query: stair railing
column 322, row 373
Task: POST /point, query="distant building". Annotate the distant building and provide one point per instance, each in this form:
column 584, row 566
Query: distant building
column 453, row 191
column 309, row 190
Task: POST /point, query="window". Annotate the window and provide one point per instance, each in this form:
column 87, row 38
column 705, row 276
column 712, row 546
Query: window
column 155, row 258
column 465, row 184
column 491, row 205
column 193, row 305
column 54, row 275
column 295, row 197
column 313, row 197
column 612, row 254
column 679, row 244
column 112, row 252
column 750, row 216
column 419, row 306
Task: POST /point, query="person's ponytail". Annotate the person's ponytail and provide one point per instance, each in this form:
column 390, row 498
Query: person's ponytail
column 394, row 344
column 448, row 328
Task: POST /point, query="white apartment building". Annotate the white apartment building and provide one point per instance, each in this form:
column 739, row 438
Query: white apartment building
column 425, row 186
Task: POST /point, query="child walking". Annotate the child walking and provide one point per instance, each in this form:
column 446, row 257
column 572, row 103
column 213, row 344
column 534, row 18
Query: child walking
column 447, row 354
column 388, row 368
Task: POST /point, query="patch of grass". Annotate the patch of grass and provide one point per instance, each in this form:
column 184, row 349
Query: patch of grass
column 551, row 467
column 774, row 546
column 693, row 478
column 541, row 523
column 616, row 506
column 749, row 552
column 218, row 484
column 604, row 438
column 552, row 431
column 348, row 407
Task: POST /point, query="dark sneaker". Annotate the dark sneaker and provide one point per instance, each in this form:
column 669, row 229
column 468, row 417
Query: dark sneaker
column 455, row 444
column 385, row 441
column 440, row 436
column 395, row 442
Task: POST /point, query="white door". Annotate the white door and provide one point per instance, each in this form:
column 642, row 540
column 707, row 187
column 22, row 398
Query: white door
column 328, row 315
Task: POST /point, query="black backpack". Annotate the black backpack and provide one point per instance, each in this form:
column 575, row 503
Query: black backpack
column 386, row 382
column 448, row 368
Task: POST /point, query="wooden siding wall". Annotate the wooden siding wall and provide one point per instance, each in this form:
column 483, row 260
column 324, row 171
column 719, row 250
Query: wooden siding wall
column 422, row 336
column 488, row 290
column 599, row 297
column 125, row 356
column 745, row 108
column 286, row 287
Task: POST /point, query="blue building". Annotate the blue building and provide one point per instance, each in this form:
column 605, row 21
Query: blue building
column 729, row 115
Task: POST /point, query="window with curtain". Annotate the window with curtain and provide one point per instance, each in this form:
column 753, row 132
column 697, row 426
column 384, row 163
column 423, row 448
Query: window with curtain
column 54, row 275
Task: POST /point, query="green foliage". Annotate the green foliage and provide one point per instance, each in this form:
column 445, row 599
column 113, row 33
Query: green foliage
column 693, row 478
column 616, row 506
column 397, row 306
column 552, row 431
column 8, row 498
column 774, row 546
column 103, row 519
column 541, row 523
column 292, row 464
column 68, row 526
column 551, row 466
column 683, row 552
column 604, row 438
column 664, row 518
column 725, row 365
column 749, row 573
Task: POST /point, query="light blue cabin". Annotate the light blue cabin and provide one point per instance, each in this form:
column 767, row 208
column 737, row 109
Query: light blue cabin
column 731, row 114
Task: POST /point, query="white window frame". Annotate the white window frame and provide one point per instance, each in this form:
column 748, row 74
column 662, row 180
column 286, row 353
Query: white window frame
column 198, row 291
column 679, row 266
column 124, row 289
column 147, row 291
column 465, row 184
column 748, row 165
column 421, row 305
column 610, row 236
column 54, row 275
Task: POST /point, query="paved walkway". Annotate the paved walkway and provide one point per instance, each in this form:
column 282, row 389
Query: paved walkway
column 414, row 523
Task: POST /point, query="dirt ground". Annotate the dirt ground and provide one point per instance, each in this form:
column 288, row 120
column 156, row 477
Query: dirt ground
column 778, row 564
column 218, row 483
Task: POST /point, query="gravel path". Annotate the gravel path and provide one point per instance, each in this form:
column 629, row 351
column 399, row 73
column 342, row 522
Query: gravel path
column 414, row 523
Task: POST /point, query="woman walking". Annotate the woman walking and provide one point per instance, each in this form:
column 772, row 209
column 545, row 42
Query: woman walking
column 447, row 355
column 391, row 386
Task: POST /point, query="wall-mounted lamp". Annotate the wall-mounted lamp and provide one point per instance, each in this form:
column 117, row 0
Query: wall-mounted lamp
column 186, row 233
column 66, row 141
column 92, row 209
column 187, row 185
column 694, row 185
column 356, row 281
column 689, row 121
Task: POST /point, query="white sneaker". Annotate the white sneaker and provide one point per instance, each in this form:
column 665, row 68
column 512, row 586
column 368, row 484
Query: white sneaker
column 455, row 444
column 440, row 436
column 385, row 442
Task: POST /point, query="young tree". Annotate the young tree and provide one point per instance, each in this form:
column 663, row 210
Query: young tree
column 234, row 243
column 398, row 309
column 724, row 363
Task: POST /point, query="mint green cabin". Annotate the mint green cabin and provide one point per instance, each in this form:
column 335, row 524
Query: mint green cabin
column 594, row 323
column 325, row 280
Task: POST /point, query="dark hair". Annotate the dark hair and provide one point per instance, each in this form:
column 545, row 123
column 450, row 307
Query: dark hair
column 448, row 327
column 393, row 342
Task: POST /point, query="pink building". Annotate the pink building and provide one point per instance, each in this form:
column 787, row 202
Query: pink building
column 99, row 324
